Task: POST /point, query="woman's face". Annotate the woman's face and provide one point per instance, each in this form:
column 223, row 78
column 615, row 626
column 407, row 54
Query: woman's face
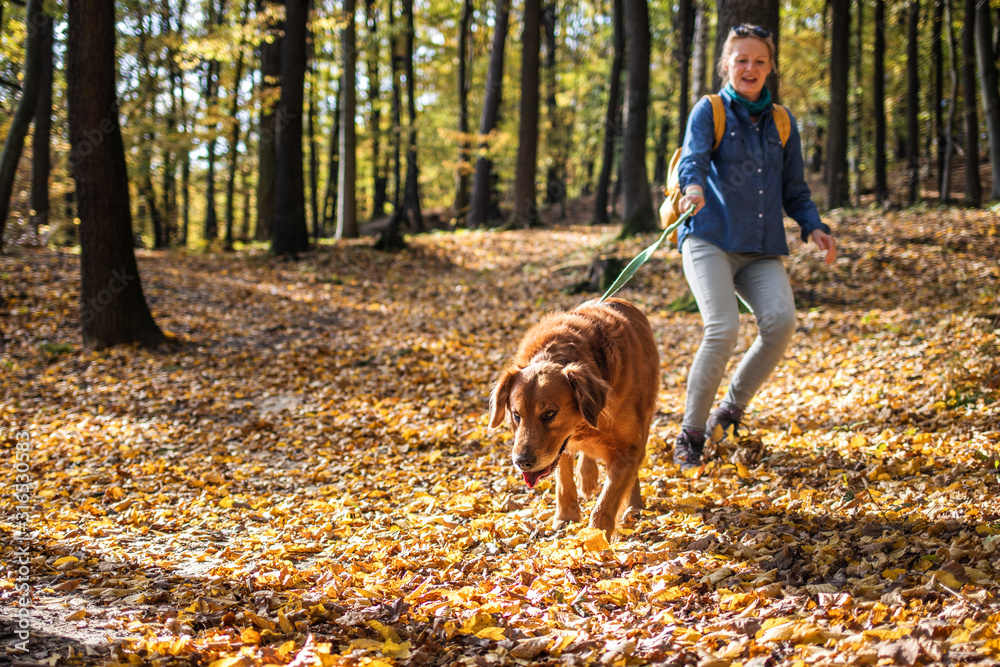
column 748, row 66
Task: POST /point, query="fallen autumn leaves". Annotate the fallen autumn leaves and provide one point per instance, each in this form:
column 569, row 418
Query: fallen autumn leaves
column 309, row 479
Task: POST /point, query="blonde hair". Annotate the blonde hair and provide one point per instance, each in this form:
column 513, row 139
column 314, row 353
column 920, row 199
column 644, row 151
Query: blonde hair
column 727, row 48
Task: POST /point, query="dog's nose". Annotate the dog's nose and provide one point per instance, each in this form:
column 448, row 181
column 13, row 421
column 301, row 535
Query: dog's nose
column 524, row 461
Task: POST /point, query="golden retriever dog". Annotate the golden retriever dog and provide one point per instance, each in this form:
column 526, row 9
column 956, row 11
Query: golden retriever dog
column 583, row 381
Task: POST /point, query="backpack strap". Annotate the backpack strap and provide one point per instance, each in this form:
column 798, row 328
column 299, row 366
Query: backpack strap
column 719, row 116
column 783, row 122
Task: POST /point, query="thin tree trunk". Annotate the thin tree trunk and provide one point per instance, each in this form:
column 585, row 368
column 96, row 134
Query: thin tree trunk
column 555, row 188
column 857, row 105
column 379, row 180
column 612, row 116
column 14, row 144
column 526, row 211
column 332, row 168
column 482, row 206
column 685, row 41
column 270, row 75
column 913, row 105
column 638, row 202
column 662, row 151
column 840, row 44
column 878, row 95
column 234, row 153
column 937, row 60
column 464, row 170
column 973, row 185
column 699, row 52
column 952, row 105
column 990, row 87
column 411, row 197
column 244, row 234
column 313, row 164
column 174, row 83
column 347, row 213
column 41, row 141
column 396, row 64
column 213, row 71
column 113, row 306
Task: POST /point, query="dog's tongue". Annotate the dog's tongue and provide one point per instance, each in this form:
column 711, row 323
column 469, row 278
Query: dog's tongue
column 531, row 478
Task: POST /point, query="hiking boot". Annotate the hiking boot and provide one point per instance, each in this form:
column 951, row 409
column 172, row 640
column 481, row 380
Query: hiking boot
column 723, row 418
column 688, row 449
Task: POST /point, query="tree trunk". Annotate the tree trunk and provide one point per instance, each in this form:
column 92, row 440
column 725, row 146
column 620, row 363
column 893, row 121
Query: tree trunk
column 410, row 210
column 913, row 105
column 638, row 202
column 952, row 105
column 840, row 45
column 347, row 211
column 482, row 207
column 291, row 236
column 14, row 144
column 699, row 52
column 857, row 111
column 525, row 204
column 176, row 111
column 878, row 95
column 990, row 87
column 234, row 137
column 937, row 101
column 379, row 179
column 314, row 212
column 732, row 13
column 113, row 306
column 41, row 141
column 396, row 64
column 332, row 167
column 464, row 82
column 213, row 70
column 973, row 185
column 662, row 151
column 555, row 187
column 270, row 74
column 612, row 116
column 685, row 40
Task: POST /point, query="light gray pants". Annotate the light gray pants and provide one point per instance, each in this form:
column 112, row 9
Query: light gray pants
column 715, row 276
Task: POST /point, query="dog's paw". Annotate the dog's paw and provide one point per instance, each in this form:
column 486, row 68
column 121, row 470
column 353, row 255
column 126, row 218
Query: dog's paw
column 564, row 517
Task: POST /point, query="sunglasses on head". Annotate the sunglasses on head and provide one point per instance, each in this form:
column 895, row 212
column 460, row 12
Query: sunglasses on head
column 747, row 30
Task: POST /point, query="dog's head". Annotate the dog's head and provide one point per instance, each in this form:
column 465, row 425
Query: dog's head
column 545, row 404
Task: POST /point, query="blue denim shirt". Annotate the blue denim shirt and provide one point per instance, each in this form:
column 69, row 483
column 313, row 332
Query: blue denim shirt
column 747, row 181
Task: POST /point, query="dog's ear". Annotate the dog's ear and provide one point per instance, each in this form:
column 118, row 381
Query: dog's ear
column 590, row 390
column 500, row 395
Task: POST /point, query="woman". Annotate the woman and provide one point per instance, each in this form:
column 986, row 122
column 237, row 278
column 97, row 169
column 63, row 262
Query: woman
column 734, row 242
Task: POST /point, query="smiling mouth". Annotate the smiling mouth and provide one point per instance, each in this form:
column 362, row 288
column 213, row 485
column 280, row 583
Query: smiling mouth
column 531, row 478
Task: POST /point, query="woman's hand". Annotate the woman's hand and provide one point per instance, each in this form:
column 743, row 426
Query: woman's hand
column 693, row 197
column 825, row 242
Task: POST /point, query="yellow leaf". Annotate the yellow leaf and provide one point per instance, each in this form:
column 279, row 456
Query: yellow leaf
column 742, row 471
column 286, row 625
column 594, row 539
column 388, row 633
column 226, row 502
column 232, row 661
column 495, row 633
column 947, row 578
column 250, row 636
column 893, row 573
column 66, row 559
column 78, row 615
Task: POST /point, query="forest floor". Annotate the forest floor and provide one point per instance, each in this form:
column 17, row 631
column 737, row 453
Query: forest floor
column 308, row 475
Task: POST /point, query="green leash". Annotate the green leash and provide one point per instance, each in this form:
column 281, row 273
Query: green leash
column 644, row 256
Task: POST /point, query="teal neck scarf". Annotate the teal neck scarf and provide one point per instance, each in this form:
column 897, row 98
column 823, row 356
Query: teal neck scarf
column 755, row 108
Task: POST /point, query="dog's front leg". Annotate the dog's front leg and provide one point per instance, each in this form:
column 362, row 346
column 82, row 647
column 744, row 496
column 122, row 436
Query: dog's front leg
column 567, row 502
column 586, row 470
column 623, row 477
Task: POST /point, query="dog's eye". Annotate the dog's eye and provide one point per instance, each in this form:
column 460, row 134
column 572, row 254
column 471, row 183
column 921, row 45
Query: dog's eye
column 517, row 417
column 549, row 416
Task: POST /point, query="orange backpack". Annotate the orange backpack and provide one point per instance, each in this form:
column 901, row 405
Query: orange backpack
column 670, row 209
